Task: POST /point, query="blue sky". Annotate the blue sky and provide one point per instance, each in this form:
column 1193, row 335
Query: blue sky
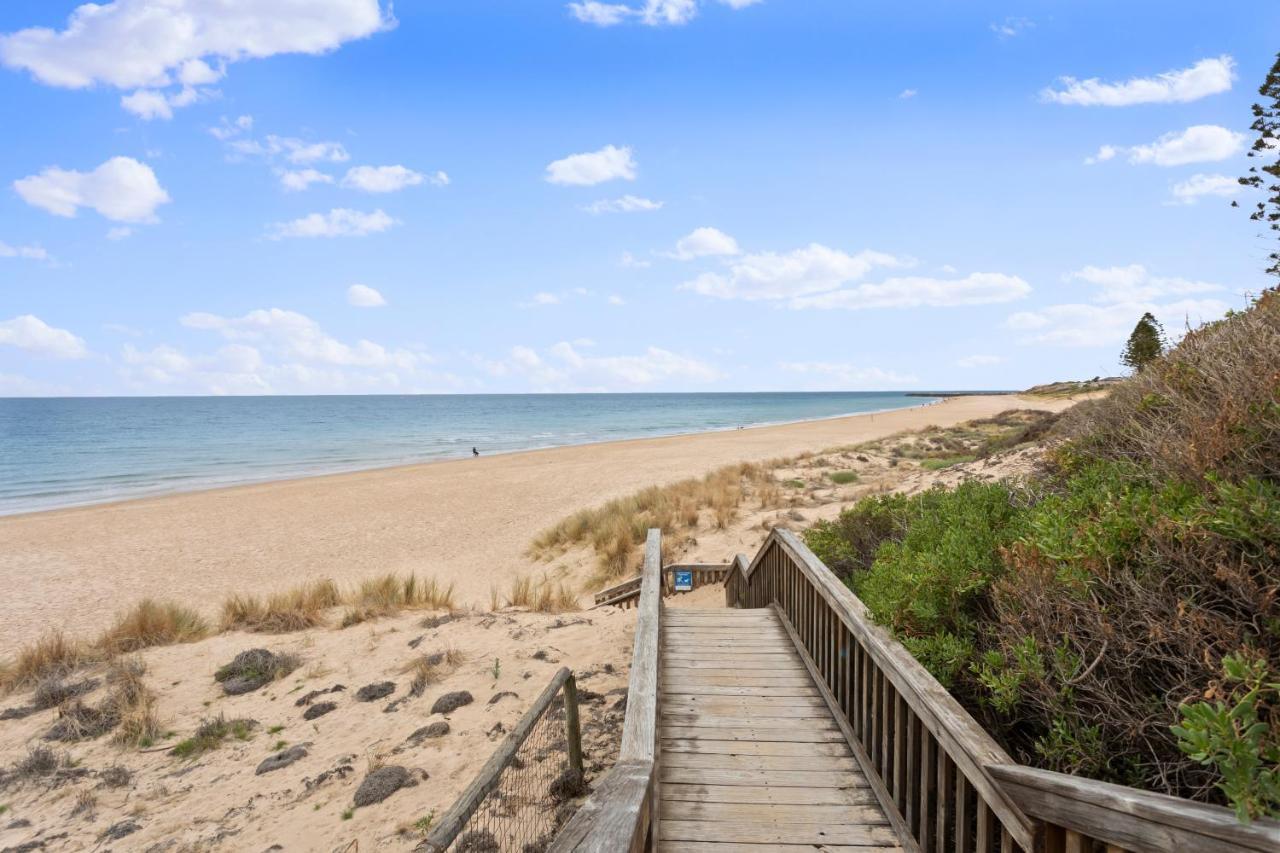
column 482, row 196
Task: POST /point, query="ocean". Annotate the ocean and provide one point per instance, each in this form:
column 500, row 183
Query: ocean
column 69, row 451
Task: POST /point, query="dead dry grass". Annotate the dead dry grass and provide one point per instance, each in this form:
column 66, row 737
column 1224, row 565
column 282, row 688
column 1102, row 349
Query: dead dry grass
column 294, row 609
column 152, row 623
column 542, row 595
column 389, row 594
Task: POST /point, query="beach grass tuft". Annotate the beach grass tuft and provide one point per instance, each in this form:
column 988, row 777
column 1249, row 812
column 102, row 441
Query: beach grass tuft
column 152, row 623
column 51, row 656
column 542, row 596
column 616, row 530
column 432, row 668
column 843, row 478
column 388, row 594
column 210, row 735
column 294, row 609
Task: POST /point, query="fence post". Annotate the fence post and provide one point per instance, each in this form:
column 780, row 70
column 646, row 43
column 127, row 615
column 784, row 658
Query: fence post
column 573, row 730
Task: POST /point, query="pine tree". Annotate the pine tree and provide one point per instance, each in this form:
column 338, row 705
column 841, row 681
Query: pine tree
column 1146, row 344
column 1266, row 123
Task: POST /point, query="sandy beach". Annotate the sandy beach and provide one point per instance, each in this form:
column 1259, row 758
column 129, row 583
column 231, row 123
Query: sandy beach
column 467, row 522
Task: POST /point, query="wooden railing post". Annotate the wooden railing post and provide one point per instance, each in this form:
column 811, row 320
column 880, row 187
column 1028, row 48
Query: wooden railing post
column 573, row 729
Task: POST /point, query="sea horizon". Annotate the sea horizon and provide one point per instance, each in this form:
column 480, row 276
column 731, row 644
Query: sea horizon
column 64, row 452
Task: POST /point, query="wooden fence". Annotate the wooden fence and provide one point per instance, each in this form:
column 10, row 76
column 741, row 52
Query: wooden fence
column 626, row 593
column 622, row 811
column 521, row 782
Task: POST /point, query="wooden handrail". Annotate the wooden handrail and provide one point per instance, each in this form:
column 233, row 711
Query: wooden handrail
column 1078, row 812
column 621, row 812
column 929, row 754
column 490, row 776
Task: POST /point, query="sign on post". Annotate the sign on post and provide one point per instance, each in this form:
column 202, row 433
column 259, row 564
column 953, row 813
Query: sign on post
column 683, row 580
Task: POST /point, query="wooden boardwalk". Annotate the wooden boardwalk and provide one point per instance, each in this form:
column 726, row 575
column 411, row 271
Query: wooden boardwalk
column 750, row 757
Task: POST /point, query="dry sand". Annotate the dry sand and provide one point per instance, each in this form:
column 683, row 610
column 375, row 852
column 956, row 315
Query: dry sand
column 473, row 521
column 466, row 522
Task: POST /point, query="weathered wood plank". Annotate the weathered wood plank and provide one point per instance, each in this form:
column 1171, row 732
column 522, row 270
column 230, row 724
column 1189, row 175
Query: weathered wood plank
column 785, row 813
column 757, row 778
column 773, row 833
column 714, row 761
column 721, row 690
column 752, row 732
column 752, row 747
column 767, row 794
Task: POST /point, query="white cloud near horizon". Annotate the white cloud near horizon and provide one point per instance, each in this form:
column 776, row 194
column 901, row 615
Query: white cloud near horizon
column 364, row 296
column 339, row 222
column 623, row 204
column 980, row 288
column 1133, row 283
column 1198, row 186
column 1124, row 294
column 121, row 189
column 704, row 242
column 1201, row 143
column 564, row 367
column 153, row 45
column 842, row 376
column 29, row 333
column 299, row 337
column 594, row 167
column 1207, row 77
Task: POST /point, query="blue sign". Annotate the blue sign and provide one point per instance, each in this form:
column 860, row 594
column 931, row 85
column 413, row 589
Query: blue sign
column 684, row 581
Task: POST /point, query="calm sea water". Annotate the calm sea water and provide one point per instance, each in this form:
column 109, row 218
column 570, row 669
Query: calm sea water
column 63, row 452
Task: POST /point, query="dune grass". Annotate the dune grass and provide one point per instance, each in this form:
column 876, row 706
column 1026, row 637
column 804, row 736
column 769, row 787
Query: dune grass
column 389, row 594
column 432, row 668
column 53, row 654
column 542, row 596
column 152, row 623
column 293, row 609
column 843, row 478
column 617, row 529
column 210, row 735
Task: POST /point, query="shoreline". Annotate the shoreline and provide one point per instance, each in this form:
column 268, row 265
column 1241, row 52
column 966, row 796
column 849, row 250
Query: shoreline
column 197, row 486
column 466, row 522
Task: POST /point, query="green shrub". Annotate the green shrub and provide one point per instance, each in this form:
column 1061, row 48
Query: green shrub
column 843, row 478
column 1236, row 738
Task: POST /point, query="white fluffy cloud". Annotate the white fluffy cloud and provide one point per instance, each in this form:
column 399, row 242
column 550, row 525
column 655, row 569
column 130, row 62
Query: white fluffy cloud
column 1201, row 143
column 979, row 288
column 299, row 179
column 1082, row 325
column 564, row 367
column 703, row 243
column 595, row 167
column 1011, row 27
column 297, row 337
column 1206, row 77
column 30, row 333
column 1124, row 293
column 121, row 189
column 150, row 45
column 363, row 296
column 788, row 275
column 339, row 222
column 382, row 179
column 1198, row 186
column 1133, row 283
column 625, row 204
column 30, row 253
column 842, row 376
column 652, row 13
column 970, row 361
column 296, row 151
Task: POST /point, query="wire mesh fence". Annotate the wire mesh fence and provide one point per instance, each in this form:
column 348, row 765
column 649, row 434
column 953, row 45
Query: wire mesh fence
column 517, row 802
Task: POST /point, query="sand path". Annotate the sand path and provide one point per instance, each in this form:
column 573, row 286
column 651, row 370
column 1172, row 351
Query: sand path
column 467, row 521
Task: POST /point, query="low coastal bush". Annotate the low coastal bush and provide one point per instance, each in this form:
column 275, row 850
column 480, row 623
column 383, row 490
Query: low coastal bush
column 210, row 735
column 1086, row 614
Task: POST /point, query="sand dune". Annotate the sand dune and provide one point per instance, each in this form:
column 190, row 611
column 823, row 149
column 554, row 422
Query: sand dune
column 467, row 521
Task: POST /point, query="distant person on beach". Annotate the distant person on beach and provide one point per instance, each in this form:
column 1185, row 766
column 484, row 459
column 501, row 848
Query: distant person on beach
column 475, row 452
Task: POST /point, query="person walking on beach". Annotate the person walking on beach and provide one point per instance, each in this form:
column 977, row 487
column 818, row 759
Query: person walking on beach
column 475, row 452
